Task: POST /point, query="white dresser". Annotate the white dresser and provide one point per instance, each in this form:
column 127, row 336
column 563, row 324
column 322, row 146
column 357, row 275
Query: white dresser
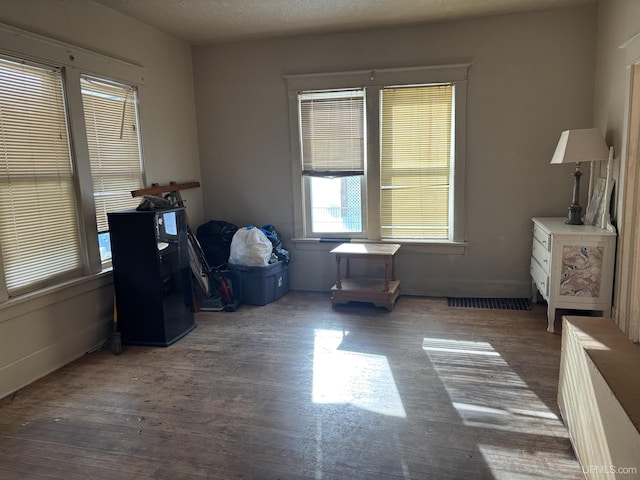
column 572, row 266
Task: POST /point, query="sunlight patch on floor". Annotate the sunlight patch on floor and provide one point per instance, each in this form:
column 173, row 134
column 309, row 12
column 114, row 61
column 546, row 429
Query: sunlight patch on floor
column 516, row 464
column 486, row 392
column 343, row 376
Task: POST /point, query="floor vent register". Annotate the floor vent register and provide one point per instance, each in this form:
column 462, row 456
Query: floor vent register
column 492, row 303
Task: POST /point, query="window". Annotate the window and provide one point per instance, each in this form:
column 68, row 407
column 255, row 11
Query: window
column 62, row 132
column 110, row 114
column 415, row 162
column 39, row 234
column 379, row 155
column 333, row 155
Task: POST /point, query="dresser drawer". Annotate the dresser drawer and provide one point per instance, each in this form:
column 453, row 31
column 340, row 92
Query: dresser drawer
column 541, row 254
column 542, row 236
column 540, row 277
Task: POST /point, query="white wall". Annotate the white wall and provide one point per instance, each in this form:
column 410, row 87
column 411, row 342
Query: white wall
column 43, row 331
column 618, row 22
column 532, row 77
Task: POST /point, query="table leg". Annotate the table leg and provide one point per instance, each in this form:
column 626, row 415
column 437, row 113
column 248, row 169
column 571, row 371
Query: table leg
column 393, row 268
column 386, row 274
column 338, row 282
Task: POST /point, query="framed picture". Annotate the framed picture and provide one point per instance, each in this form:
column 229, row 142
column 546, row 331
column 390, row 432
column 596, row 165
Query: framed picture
column 594, row 212
column 598, row 208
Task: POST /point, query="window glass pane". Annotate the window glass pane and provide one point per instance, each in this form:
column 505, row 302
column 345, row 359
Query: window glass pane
column 104, row 242
column 110, row 112
column 39, row 233
column 336, row 204
column 416, row 162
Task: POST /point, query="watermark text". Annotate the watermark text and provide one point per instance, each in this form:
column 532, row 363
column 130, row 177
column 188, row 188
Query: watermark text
column 609, row 469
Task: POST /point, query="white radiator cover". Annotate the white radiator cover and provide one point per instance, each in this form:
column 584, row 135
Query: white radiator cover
column 599, row 397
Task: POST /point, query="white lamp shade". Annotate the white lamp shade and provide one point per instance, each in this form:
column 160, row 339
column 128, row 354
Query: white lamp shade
column 584, row 145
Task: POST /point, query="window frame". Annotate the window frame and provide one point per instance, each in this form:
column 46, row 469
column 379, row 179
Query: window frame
column 308, row 179
column 73, row 61
column 426, row 168
column 373, row 81
column 138, row 161
column 49, row 176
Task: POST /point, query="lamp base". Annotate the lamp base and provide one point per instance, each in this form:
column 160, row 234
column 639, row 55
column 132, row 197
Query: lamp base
column 575, row 210
column 575, row 215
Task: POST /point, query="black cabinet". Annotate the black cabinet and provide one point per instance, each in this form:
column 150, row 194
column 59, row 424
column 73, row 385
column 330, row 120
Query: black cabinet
column 151, row 275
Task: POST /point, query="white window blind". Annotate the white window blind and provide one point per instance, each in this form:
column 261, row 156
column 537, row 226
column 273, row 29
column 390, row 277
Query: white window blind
column 416, row 162
column 38, row 210
column 114, row 147
column 332, row 133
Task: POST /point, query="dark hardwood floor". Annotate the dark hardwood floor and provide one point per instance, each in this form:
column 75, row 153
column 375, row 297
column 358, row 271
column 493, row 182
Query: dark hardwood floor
column 298, row 390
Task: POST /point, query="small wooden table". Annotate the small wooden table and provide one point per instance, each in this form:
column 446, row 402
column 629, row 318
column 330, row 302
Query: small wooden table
column 380, row 292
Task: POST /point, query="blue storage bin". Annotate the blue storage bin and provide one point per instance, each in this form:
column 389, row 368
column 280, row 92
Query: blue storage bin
column 259, row 285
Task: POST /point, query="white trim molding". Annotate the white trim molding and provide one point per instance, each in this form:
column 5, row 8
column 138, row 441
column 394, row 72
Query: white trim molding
column 37, row 47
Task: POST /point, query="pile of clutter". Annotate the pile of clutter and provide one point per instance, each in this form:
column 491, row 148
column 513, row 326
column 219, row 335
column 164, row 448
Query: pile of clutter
column 225, row 243
column 227, row 247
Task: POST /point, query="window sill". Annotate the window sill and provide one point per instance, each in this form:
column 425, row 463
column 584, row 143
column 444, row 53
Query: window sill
column 411, row 246
column 23, row 304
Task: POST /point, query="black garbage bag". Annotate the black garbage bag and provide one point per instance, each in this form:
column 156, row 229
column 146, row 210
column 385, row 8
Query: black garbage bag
column 272, row 234
column 215, row 238
column 276, row 239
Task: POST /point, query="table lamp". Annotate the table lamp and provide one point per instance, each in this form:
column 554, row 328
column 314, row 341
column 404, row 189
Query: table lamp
column 577, row 146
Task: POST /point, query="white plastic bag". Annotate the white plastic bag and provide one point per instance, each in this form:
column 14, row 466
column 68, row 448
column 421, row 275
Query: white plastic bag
column 250, row 247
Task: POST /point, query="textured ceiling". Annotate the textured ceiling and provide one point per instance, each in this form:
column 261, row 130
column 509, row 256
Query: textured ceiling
column 216, row 21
